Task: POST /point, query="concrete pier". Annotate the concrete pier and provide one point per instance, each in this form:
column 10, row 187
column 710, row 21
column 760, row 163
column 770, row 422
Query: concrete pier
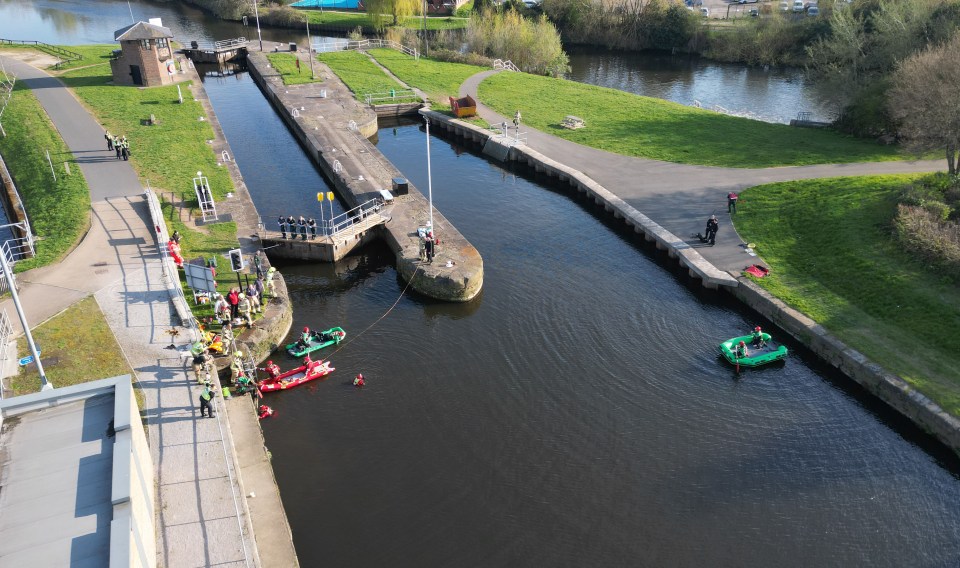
column 333, row 128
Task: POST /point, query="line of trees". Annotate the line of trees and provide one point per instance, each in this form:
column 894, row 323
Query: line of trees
column 624, row 24
column 533, row 45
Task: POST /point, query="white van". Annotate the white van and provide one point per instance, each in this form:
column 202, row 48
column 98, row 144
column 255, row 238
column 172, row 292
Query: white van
column 798, row 6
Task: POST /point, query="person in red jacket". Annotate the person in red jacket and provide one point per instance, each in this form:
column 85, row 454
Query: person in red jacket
column 233, row 298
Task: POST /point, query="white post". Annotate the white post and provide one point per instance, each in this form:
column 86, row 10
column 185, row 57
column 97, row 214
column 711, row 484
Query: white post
column 429, row 179
column 44, row 383
column 49, row 161
column 256, row 12
column 310, row 50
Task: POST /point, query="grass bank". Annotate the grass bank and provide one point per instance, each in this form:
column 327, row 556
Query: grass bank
column 363, row 20
column 286, row 65
column 76, row 346
column 832, row 254
column 632, row 125
column 59, row 211
column 359, row 73
column 89, row 54
column 438, row 79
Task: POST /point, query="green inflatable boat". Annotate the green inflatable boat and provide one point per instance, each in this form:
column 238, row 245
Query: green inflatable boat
column 318, row 340
column 768, row 351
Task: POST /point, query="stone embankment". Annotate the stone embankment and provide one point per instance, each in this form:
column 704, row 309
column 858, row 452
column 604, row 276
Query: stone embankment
column 333, row 128
column 891, row 389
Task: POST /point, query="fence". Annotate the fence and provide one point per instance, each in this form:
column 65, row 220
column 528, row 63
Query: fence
column 344, row 45
column 168, row 267
column 348, row 219
column 508, row 65
column 219, row 45
column 70, row 55
column 394, row 96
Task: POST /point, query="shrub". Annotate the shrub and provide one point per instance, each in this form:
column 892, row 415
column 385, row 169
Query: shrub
column 470, row 58
column 532, row 45
column 926, row 234
column 284, row 17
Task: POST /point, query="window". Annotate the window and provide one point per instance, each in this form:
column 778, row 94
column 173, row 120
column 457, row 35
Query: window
column 145, row 44
column 162, row 43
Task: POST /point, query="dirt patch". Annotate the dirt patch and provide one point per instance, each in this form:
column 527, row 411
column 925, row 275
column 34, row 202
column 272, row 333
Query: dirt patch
column 33, row 57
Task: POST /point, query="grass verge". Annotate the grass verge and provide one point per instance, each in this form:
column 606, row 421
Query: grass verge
column 437, row 79
column 362, row 19
column 832, row 254
column 286, row 65
column 76, row 346
column 359, row 73
column 59, row 211
column 645, row 127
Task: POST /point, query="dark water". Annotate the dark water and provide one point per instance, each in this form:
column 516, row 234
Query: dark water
column 576, row 413
column 771, row 95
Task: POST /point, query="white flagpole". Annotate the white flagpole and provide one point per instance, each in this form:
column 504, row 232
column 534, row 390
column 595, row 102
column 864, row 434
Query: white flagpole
column 429, row 179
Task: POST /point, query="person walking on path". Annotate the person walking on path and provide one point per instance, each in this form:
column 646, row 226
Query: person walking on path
column 283, row 227
column 109, row 138
column 712, row 226
column 125, row 149
column 516, row 119
column 303, row 228
column 732, row 202
column 118, row 147
column 312, row 223
column 206, row 400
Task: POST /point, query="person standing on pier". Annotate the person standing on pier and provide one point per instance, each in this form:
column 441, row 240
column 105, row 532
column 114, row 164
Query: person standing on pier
column 234, row 299
column 303, row 227
column 283, row 226
column 206, row 399
column 271, row 285
column 258, row 263
column 428, row 247
column 312, row 223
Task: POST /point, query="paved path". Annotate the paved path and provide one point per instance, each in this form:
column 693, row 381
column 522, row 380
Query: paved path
column 202, row 520
column 681, row 197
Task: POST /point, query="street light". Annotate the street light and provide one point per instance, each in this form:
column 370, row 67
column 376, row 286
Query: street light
column 429, row 179
column 256, row 12
column 44, row 384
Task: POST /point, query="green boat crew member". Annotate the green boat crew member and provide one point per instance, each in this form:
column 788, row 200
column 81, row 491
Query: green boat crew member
column 757, row 337
column 304, row 338
column 741, row 350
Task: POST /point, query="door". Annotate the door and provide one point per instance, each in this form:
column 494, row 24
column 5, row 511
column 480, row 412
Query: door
column 135, row 73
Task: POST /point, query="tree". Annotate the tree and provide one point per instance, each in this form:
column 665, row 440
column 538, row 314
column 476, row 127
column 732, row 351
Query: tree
column 397, row 9
column 924, row 99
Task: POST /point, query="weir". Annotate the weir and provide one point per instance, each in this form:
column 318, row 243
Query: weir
column 333, row 128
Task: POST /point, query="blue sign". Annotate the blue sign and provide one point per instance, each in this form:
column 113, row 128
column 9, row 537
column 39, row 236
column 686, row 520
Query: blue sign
column 27, row 360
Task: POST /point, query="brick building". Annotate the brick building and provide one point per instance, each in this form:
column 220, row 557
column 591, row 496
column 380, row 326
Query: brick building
column 145, row 57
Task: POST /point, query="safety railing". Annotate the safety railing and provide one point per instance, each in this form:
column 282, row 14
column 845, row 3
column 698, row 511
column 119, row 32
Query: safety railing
column 219, row 45
column 66, row 53
column 324, row 46
column 500, row 64
column 394, row 96
column 348, row 219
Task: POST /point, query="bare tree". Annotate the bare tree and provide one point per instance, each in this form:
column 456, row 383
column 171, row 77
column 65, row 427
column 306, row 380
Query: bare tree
column 924, row 100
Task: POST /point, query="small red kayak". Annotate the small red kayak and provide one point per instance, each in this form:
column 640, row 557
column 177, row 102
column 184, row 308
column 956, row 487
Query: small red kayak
column 296, row 377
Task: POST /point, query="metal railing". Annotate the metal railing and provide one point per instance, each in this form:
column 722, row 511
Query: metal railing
column 70, row 55
column 348, row 219
column 218, row 45
column 500, row 64
column 393, row 96
column 344, row 45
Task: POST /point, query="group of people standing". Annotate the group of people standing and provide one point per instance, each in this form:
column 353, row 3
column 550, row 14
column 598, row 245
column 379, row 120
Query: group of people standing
column 119, row 144
column 293, row 226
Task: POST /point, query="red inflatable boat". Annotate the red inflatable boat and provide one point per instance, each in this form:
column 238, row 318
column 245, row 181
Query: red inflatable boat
column 296, row 377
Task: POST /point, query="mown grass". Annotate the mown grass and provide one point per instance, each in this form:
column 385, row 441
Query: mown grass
column 59, row 211
column 76, row 347
column 438, row 79
column 832, row 255
column 169, row 154
column 286, row 65
column 363, row 20
column 360, row 74
column 645, row 127
column 90, row 54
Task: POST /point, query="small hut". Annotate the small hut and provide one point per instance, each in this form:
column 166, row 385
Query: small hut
column 145, row 58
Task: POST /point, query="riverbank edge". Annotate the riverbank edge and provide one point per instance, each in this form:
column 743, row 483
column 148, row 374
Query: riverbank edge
column 891, row 389
column 463, row 280
column 252, row 464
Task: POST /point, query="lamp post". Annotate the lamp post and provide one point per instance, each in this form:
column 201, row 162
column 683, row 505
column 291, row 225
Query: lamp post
column 44, row 383
column 429, row 179
column 256, row 12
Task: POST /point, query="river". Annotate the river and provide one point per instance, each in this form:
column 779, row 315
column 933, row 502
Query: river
column 576, row 413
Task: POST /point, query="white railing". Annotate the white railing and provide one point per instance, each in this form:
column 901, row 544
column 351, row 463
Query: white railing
column 393, row 96
column 6, row 332
column 500, row 64
column 348, row 219
column 324, row 46
column 201, row 187
column 219, row 45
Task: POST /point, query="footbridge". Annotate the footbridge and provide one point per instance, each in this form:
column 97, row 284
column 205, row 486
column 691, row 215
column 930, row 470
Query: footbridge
column 336, row 237
column 217, row 51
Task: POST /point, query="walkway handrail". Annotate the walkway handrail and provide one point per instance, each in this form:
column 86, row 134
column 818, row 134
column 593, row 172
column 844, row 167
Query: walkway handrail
column 344, row 45
column 500, row 64
column 71, row 55
column 392, row 96
column 347, row 219
column 218, row 45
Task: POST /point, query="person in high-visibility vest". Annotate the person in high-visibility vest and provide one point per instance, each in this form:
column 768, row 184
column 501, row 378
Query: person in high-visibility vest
column 236, row 367
column 206, row 400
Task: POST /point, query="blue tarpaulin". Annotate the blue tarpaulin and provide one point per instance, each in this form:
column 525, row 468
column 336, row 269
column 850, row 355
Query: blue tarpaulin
column 348, row 4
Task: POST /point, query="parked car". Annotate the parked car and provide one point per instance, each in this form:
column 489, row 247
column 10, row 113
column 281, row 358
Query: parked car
column 784, row 6
column 755, row 12
column 813, row 11
column 705, row 12
column 798, row 6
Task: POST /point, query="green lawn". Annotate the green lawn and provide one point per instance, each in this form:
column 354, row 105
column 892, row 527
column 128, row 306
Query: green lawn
column 169, row 154
column 76, row 347
column 632, row 125
column 359, row 73
column 353, row 19
column 832, row 255
column 92, row 54
column 286, row 65
column 437, row 79
column 59, row 211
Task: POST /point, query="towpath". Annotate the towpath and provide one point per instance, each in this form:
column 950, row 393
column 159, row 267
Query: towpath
column 680, row 197
column 202, row 518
